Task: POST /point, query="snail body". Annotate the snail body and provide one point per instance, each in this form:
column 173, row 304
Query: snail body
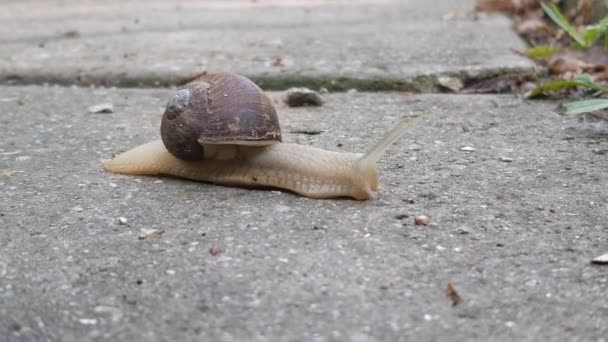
column 253, row 155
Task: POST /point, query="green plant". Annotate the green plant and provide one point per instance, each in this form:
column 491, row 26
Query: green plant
column 581, row 81
column 585, row 106
column 585, row 39
column 590, row 34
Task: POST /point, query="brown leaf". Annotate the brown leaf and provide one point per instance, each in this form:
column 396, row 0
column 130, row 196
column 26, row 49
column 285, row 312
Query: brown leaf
column 565, row 63
column 533, row 26
column 494, row 5
column 525, row 5
column 452, row 294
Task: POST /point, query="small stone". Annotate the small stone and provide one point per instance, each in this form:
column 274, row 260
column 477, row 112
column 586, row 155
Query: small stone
column 505, row 159
column 71, row 34
column 23, row 158
column 440, row 248
column 113, row 185
column 170, row 272
column 421, row 220
column 451, row 83
column 122, row 220
column 601, row 260
column 298, row 97
column 77, row 209
column 215, row 250
column 468, row 149
column 532, row 283
column 103, row 108
column 150, row 234
column 281, row 208
column 88, row 321
column 108, row 312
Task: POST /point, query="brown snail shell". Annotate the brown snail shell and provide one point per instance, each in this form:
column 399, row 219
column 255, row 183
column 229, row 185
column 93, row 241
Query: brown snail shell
column 218, row 108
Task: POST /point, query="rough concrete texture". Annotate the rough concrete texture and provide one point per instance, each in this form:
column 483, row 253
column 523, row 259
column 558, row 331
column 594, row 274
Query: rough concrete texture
column 374, row 45
column 515, row 239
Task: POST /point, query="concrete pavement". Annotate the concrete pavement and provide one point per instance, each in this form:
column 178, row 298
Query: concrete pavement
column 514, row 238
column 515, row 193
column 384, row 45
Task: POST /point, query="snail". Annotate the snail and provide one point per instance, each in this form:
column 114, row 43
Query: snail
column 222, row 129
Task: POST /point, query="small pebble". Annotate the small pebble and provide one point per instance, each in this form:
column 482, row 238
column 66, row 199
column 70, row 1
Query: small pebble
column 421, row 220
column 88, row 321
column 215, row 250
column 102, row 108
column 170, row 272
column 601, row 260
column 298, row 97
column 505, row 159
column 468, row 149
column 280, row 208
column 451, row 83
column 122, row 220
column 150, row 233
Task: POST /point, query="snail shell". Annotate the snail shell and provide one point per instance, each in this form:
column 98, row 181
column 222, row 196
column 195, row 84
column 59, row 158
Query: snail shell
column 218, row 108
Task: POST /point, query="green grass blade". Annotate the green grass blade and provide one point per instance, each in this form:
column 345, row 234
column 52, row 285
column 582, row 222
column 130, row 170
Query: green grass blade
column 551, row 86
column 541, row 51
column 581, row 81
column 579, row 107
column 592, row 33
column 556, row 15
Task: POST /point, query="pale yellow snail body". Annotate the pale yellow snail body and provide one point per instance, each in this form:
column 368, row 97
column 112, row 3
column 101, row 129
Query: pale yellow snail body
column 236, row 141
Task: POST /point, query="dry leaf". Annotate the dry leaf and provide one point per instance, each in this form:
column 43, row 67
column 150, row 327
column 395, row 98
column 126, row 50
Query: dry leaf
column 533, row 26
column 565, row 63
column 452, row 294
column 525, row 5
column 494, row 5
